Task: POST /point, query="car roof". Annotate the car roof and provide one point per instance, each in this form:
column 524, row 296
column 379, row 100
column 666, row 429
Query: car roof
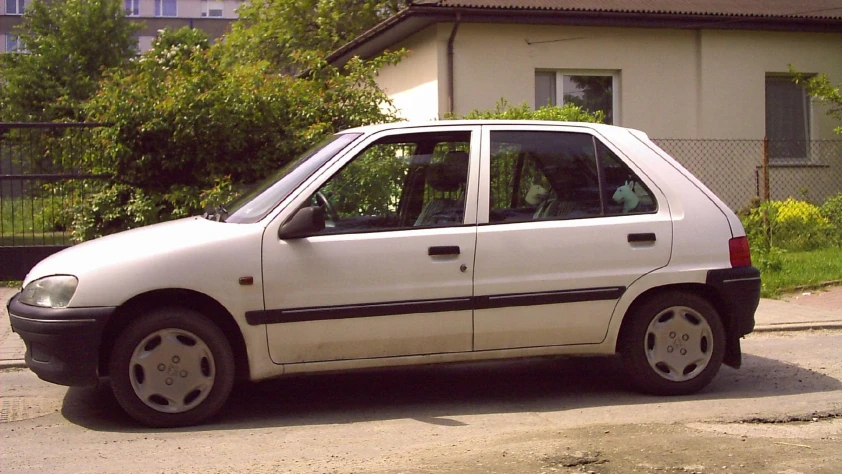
column 601, row 128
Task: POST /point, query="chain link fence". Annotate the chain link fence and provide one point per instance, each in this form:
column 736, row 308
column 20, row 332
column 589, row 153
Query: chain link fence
column 741, row 170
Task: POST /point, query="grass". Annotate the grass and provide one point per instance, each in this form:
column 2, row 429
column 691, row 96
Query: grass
column 30, row 239
column 799, row 270
column 20, row 215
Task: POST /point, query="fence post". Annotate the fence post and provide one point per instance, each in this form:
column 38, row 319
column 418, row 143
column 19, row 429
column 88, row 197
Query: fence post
column 766, row 194
column 765, row 170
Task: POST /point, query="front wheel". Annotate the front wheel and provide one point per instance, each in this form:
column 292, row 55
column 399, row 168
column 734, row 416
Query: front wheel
column 173, row 367
column 674, row 344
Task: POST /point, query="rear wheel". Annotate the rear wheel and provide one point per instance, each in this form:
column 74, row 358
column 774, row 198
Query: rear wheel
column 174, row 367
column 674, row 345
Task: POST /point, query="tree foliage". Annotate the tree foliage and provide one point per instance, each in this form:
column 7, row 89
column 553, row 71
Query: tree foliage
column 278, row 31
column 69, row 45
column 821, row 88
column 188, row 127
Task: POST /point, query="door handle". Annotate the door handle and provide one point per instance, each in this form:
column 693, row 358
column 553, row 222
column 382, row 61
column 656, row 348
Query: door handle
column 642, row 237
column 443, row 250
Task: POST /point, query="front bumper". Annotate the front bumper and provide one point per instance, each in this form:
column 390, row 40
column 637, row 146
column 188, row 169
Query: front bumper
column 62, row 344
column 738, row 290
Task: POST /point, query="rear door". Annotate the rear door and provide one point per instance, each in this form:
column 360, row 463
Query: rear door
column 565, row 226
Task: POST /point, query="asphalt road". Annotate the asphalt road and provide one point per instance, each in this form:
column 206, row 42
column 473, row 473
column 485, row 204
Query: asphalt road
column 569, row 415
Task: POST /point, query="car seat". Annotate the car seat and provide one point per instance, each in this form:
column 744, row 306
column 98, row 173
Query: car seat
column 446, row 176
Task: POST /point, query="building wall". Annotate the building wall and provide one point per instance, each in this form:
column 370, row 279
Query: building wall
column 673, row 83
column 733, row 69
column 418, row 84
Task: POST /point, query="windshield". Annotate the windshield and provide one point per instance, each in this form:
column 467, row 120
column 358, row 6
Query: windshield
column 265, row 196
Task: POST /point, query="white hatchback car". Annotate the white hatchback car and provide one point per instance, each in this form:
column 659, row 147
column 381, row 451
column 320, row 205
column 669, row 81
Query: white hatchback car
column 407, row 244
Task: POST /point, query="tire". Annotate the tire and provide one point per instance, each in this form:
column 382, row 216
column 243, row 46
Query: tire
column 674, row 344
column 172, row 367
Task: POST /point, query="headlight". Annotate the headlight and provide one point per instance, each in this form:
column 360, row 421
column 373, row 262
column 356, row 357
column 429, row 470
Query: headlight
column 50, row 292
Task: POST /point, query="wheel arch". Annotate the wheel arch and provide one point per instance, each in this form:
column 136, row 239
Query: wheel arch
column 707, row 292
column 174, row 297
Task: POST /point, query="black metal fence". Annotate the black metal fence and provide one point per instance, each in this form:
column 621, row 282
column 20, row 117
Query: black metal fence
column 41, row 179
column 740, row 170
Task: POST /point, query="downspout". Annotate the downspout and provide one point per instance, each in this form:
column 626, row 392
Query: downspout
column 450, row 99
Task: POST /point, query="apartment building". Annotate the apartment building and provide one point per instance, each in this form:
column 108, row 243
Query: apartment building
column 212, row 16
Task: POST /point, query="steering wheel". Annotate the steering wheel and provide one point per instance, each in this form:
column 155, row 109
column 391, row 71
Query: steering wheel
column 331, row 211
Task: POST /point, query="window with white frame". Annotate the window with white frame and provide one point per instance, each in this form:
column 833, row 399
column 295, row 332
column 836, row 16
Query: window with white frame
column 13, row 44
column 591, row 90
column 212, row 8
column 15, row 7
column 787, row 118
column 166, row 8
column 132, row 7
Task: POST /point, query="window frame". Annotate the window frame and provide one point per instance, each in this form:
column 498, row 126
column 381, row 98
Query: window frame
column 413, row 140
column 559, row 86
column 20, row 7
column 159, row 9
column 809, row 121
column 206, row 8
column 12, row 44
column 301, row 196
column 484, row 208
column 133, row 9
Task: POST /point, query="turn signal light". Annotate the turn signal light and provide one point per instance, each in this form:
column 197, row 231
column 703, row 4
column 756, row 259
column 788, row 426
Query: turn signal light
column 740, row 253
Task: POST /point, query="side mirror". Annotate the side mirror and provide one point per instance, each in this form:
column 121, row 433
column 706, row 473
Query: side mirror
column 304, row 223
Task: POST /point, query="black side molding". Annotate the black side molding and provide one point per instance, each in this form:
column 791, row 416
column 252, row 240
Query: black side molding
column 394, row 308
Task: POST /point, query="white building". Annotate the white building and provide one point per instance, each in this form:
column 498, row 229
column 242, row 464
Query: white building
column 712, row 72
column 211, row 16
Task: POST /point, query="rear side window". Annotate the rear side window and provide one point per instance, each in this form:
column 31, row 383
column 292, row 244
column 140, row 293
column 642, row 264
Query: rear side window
column 560, row 175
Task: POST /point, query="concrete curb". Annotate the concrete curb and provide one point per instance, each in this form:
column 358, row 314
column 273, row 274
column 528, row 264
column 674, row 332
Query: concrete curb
column 12, row 364
column 799, row 326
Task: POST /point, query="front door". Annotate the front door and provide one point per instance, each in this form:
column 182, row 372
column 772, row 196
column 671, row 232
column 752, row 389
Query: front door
column 391, row 274
column 569, row 227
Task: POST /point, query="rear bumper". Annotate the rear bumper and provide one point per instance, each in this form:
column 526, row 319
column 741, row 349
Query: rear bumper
column 739, row 295
column 62, row 344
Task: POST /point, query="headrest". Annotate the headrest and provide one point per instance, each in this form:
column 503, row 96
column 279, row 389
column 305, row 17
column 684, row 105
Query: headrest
column 450, row 173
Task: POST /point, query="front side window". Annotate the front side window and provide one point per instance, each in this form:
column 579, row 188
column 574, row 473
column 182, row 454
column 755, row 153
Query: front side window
column 404, row 182
column 593, row 91
column 266, row 195
column 166, row 8
column 560, row 175
column 15, row 7
column 132, row 7
column 787, row 118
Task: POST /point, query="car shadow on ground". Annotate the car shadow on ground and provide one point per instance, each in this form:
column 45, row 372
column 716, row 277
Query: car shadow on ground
column 435, row 394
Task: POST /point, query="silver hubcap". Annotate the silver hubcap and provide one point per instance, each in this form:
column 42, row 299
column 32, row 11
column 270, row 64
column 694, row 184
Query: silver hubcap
column 172, row 370
column 679, row 343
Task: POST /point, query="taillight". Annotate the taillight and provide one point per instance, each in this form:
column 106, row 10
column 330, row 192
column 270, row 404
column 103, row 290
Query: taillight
column 740, row 253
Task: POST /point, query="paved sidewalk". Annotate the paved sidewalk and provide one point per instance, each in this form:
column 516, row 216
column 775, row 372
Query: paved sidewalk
column 12, row 348
column 820, row 309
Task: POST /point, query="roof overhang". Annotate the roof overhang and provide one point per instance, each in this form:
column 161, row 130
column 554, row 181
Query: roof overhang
column 418, row 17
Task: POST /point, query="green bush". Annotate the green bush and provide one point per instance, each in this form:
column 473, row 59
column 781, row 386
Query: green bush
column 187, row 128
column 504, row 111
column 832, row 211
column 789, row 225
